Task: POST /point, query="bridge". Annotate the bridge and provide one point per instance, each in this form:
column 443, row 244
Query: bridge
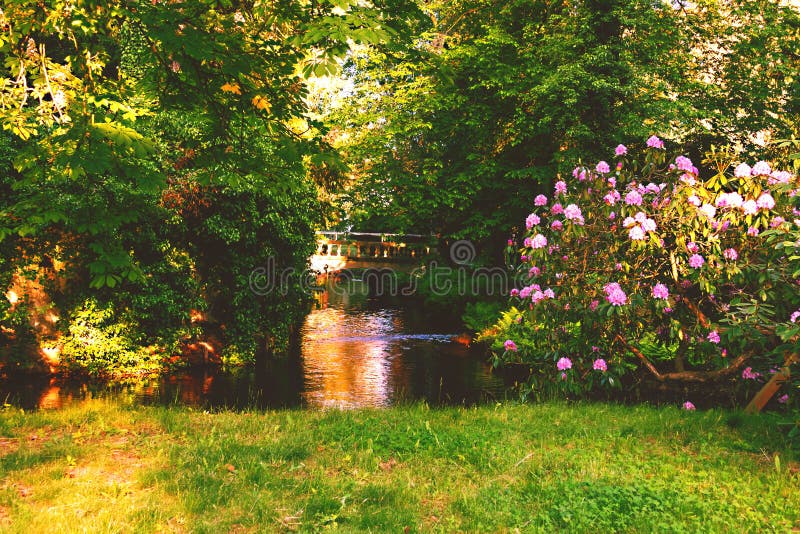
column 360, row 250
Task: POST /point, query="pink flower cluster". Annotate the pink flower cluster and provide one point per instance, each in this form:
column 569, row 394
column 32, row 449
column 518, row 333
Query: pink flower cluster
column 564, row 364
column 538, row 241
column 696, row 261
column 655, row 142
column 660, row 291
column 573, row 213
column 638, row 225
column 615, row 295
column 713, row 336
column 600, row 365
column 510, row 346
column 749, row 374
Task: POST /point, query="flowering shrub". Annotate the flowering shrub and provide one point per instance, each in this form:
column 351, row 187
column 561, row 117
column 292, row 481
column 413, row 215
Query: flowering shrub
column 647, row 263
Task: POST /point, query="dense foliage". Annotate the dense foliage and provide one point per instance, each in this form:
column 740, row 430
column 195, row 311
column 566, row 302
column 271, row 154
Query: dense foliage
column 455, row 137
column 112, row 111
column 649, row 263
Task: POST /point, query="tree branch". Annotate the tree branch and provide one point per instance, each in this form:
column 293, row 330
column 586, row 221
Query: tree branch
column 686, row 376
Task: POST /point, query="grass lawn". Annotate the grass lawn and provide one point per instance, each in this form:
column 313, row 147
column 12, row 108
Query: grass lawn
column 101, row 467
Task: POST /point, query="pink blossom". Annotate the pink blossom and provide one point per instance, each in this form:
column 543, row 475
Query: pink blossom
column 557, row 225
column 526, row 242
column 729, row 200
column 561, row 187
column 694, row 200
column 615, row 295
column 765, row 201
column 534, row 271
column 742, row 170
column 594, row 304
column 515, row 292
column 557, row 209
column 621, row 150
column 779, row 177
column 749, row 207
column 688, row 179
column 713, row 336
column 696, row 261
column 600, row 365
column 633, row 198
column 688, row 406
column 708, row 210
column 175, row 66
column 612, row 216
column 776, row 222
column 667, row 310
column 576, row 171
column 660, row 291
column 540, row 200
column 532, row 220
column 564, row 364
column 730, row 254
column 538, row 241
column 636, row 233
column 749, row 374
column 761, row 168
column 655, row 142
column 537, row 296
column 525, row 292
column 691, row 246
column 649, row 225
column 510, row 345
column 549, row 293
column 612, row 182
column 573, row 213
column 683, row 164
column 783, row 399
column 610, row 198
column 603, row 167
column 795, row 315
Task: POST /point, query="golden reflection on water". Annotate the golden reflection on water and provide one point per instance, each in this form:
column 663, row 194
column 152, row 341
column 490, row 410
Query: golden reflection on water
column 346, row 358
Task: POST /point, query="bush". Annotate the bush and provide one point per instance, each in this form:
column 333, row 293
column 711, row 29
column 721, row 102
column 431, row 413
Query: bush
column 643, row 264
column 96, row 342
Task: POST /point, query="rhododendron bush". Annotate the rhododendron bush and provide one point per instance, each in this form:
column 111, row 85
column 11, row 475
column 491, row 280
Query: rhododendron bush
column 648, row 266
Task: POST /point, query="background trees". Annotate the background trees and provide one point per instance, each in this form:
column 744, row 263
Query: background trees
column 156, row 151
column 457, row 136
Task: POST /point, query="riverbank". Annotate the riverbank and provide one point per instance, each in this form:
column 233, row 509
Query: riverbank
column 101, row 466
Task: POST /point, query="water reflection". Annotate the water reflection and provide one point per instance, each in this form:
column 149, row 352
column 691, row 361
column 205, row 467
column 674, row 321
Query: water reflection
column 353, row 352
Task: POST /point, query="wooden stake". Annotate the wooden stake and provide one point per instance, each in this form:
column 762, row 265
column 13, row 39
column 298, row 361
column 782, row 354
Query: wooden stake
column 770, row 388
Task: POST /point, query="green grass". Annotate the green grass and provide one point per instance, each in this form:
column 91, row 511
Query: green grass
column 101, row 467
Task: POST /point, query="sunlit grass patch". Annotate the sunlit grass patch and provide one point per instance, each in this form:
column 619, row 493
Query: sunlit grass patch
column 567, row 467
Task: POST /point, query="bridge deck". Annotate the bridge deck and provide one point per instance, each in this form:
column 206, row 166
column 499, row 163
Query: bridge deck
column 340, row 250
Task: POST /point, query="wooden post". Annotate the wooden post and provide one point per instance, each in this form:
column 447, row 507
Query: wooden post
column 770, row 388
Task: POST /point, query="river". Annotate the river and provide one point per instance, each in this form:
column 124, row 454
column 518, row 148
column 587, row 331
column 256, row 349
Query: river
column 353, row 352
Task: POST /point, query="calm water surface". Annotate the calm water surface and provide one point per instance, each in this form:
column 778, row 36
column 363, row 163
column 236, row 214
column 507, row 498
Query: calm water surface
column 353, row 352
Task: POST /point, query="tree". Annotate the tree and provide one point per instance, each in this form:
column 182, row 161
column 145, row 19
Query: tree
column 116, row 105
column 457, row 138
